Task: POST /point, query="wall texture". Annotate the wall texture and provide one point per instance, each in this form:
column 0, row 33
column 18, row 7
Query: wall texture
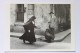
column 42, row 14
column 12, row 14
column 41, row 11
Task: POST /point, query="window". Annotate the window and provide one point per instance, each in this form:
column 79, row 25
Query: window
column 30, row 9
column 20, row 12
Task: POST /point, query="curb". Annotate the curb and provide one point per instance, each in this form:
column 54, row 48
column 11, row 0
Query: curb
column 14, row 36
column 59, row 40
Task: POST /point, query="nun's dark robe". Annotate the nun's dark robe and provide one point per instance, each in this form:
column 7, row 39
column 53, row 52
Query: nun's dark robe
column 29, row 34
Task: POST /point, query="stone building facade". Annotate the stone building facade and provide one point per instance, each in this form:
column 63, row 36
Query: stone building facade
column 20, row 13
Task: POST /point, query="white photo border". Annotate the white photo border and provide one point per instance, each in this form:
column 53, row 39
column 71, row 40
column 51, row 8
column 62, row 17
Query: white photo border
column 7, row 37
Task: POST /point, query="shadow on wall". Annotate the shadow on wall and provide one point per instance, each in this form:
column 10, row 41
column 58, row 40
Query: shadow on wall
column 17, row 29
column 20, row 29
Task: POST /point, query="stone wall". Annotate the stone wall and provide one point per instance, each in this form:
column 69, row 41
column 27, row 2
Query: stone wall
column 43, row 17
column 41, row 11
column 42, row 14
column 12, row 14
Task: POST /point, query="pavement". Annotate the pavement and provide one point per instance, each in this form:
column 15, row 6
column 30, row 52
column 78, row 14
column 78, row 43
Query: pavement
column 58, row 37
column 16, row 43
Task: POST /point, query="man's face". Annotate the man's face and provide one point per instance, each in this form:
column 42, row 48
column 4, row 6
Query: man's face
column 49, row 23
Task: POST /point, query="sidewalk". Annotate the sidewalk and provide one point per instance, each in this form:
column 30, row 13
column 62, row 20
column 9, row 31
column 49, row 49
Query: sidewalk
column 58, row 37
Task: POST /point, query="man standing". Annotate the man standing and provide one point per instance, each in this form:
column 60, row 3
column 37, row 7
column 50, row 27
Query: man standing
column 50, row 32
